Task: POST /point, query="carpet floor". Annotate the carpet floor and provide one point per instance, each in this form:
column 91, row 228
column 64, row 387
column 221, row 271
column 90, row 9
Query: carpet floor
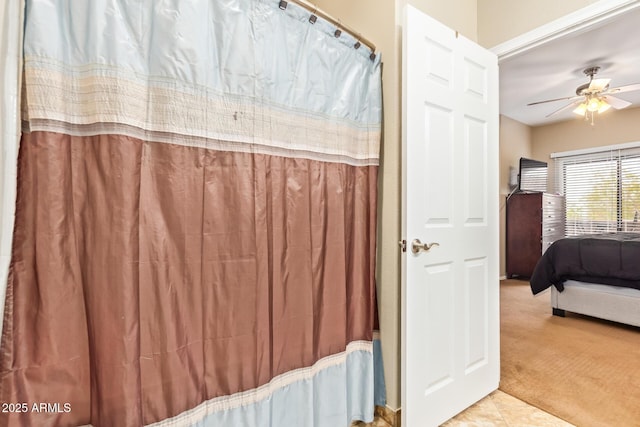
column 578, row 368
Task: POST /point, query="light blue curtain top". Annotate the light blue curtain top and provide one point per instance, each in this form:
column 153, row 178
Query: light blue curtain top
column 250, row 49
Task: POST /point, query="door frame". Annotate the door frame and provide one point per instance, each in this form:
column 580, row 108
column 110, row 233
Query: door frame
column 574, row 22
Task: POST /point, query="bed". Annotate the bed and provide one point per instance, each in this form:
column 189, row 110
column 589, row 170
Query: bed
column 596, row 275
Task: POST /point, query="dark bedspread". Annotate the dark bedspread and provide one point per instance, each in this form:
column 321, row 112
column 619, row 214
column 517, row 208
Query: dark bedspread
column 610, row 259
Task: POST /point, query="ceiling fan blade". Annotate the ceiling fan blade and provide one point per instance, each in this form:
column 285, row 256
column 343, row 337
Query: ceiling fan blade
column 566, row 107
column 616, row 103
column 598, row 85
column 621, row 89
column 556, row 99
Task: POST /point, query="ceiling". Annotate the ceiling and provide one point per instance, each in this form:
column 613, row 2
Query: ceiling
column 555, row 70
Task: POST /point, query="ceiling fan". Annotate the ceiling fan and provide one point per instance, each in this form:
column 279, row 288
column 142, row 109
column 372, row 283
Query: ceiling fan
column 592, row 97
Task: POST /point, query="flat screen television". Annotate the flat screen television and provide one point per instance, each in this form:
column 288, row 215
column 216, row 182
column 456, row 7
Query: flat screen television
column 532, row 176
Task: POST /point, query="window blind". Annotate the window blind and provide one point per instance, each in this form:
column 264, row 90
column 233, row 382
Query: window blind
column 602, row 191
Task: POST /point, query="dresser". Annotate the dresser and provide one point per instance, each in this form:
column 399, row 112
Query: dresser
column 533, row 222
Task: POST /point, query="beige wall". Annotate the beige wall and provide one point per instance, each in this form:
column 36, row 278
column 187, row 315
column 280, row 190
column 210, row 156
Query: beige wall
column 515, row 142
column 502, row 20
column 612, row 127
column 460, row 15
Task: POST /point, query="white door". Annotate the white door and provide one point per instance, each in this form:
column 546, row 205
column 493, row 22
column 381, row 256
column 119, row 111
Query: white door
column 450, row 298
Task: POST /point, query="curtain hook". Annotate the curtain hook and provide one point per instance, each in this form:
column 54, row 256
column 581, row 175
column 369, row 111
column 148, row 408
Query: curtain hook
column 313, row 18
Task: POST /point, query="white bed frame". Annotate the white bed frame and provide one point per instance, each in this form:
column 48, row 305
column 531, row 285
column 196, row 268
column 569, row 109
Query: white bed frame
column 606, row 302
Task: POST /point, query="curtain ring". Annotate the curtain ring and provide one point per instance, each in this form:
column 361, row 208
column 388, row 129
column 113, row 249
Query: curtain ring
column 338, row 32
column 282, row 5
column 357, row 45
column 313, row 18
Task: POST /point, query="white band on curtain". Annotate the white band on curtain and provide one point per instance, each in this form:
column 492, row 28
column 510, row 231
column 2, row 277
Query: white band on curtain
column 11, row 50
column 277, row 95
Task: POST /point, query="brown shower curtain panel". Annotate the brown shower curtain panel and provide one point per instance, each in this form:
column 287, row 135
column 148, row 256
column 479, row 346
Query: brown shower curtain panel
column 186, row 253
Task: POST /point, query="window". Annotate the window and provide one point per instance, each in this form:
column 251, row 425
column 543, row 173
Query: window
column 601, row 189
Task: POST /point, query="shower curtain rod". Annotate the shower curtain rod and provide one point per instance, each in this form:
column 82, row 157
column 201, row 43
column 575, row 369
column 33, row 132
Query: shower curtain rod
column 317, row 12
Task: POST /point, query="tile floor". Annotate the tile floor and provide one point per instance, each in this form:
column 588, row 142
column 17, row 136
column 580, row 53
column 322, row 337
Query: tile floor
column 503, row 410
column 498, row 409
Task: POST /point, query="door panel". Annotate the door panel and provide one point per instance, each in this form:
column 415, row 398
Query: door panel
column 438, row 163
column 450, row 196
column 475, row 171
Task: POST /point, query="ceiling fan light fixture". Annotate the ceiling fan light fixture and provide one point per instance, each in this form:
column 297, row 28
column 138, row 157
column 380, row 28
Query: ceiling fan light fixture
column 603, row 107
column 581, row 109
column 593, row 98
column 593, row 104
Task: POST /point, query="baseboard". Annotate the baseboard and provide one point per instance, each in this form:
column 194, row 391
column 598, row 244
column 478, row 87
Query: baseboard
column 503, row 277
column 390, row 416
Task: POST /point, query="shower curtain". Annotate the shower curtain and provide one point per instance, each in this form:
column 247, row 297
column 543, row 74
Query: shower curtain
column 195, row 225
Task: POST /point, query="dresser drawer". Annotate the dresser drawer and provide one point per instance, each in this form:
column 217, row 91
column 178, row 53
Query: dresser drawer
column 552, row 203
column 549, row 215
column 549, row 238
column 556, row 231
column 545, row 244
